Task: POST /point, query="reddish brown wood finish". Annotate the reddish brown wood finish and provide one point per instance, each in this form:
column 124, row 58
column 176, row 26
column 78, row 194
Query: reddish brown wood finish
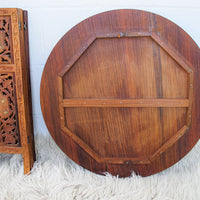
column 16, row 130
column 120, row 92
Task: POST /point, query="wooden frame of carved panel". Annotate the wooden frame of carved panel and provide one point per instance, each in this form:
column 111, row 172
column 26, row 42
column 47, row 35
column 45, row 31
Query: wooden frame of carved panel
column 17, row 135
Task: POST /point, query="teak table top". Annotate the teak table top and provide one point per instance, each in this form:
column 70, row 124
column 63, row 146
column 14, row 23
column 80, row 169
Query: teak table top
column 120, row 92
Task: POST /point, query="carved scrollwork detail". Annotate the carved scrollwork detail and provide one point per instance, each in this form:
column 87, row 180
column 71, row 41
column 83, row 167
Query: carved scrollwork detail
column 5, row 41
column 9, row 134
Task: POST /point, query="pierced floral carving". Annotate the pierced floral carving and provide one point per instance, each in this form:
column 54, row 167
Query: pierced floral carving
column 9, row 134
column 5, row 46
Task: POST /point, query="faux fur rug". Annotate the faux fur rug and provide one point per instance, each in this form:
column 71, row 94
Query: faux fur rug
column 55, row 177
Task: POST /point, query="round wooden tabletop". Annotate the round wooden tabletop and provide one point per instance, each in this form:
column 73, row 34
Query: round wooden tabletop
column 120, row 92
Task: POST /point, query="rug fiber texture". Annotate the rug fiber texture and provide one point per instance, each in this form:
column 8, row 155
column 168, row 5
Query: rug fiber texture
column 55, row 177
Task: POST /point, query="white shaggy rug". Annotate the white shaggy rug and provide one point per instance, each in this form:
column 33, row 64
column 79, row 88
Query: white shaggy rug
column 56, row 177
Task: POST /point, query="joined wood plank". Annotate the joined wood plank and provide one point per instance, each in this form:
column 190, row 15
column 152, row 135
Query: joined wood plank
column 125, row 103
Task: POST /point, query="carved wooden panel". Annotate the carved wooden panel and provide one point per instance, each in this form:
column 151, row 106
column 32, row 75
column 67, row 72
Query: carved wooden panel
column 9, row 133
column 120, row 92
column 16, row 131
column 5, row 40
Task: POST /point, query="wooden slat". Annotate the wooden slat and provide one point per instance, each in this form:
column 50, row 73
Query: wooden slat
column 122, row 34
column 82, row 144
column 190, row 95
column 169, row 143
column 127, row 161
column 8, row 67
column 125, row 103
column 177, row 57
column 77, row 56
column 7, row 149
column 60, row 93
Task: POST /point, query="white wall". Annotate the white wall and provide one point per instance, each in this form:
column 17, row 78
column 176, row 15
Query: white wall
column 49, row 20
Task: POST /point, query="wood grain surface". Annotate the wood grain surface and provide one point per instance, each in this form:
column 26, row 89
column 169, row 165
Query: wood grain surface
column 120, row 92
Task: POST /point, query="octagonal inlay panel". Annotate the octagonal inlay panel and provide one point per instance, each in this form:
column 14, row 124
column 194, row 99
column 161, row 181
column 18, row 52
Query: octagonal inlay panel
column 138, row 68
